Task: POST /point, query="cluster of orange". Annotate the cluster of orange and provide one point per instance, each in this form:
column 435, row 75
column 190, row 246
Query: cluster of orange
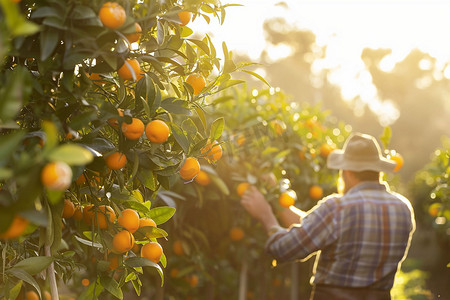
column 129, row 221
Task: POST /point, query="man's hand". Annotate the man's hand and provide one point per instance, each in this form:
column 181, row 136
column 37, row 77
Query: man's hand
column 257, row 206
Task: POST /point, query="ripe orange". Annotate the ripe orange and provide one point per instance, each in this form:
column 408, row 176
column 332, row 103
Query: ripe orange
column 177, row 248
column 190, row 168
column 134, row 37
column 197, row 81
column 134, row 130
column 56, row 176
column 113, row 121
column 236, row 234
column 31, row 295
column 136, row 248
column 193, row 280
column 326, row 149
column 113, row 260
column 123, row 241
column 185, row 17
column 69, row 209
column 78, row 213
column 398, row 159
column 242, row 187
column 88, row 214
column 240, row 140
column 212, row 152
column 104, row 216
column 152, row 251
column 126, row 74
column 129, row 220
column 116, row 161
column 85, row 282
column 47, row 295
column 112, row 15
column 287, row 199
column 202, row 178
column 157, row 131
column 16, row 229
column 315, row 192
column 143, row 222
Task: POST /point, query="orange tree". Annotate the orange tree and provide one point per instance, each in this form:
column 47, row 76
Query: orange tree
column 97, row 101
column 268, row 141
column 431, row 196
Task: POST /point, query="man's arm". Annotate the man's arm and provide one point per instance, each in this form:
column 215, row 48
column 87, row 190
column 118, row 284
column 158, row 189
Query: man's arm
column 290, row 216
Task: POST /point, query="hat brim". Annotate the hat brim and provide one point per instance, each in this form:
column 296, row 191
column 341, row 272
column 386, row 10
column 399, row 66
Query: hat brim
column 337, row 160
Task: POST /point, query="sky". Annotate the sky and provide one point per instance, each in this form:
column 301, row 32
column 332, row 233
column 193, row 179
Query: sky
column 346, row 28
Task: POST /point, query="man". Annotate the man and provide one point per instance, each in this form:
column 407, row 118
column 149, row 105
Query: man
column 362, row 234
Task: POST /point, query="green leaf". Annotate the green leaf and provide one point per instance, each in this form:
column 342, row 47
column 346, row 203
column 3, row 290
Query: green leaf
column 186, row 31
column 161, row 214
column 88, row 243
column 34, row 265
column 257, row 76
column 176, row 106
column 49, row 40
column 216, row 129
column 9, row 143
column 220, row 184
column 180, row 137
column 229, row 83
column 201, row 45
column 44, row 11
column 14, row 292
column 147, row 178
column 111, row 286
column 385, row 138
column 228, row 65
column 23, row 275
column 83, row 12
column 14, row 93
column 135, row 262
column 92, row 292
column 54, row 196
column 72, row 154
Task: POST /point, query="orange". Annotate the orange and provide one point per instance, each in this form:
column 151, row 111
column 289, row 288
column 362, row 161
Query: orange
column 88, row 214
column 236, row 234
column 315, row 192
column 212, row 152
column 326, row 149
column 157, row 131
column 85, row 282
column 190, row 168
column 113, row 262
column 136, row 248
column 398, row 160
column 129, row 220
column 112, row 15
column 174, row 273
column 96, row 78
column 134, row 130
column 31, row 295
column 193, row 280
column 286, row 199
column 78, row 213
column 202, row 178
column 116, row 161
column 47, row 295
column 433, row 209
column 177, row 248
column 134, row 37
column 16, row 229
column 185, row 17
column 123, row 241
column 143, row 222
column 242, row 187
column 104, row 216
column 69, row 209
column 113, row 121
column 152, row 251
column 197, row 81
column 278, row 126
column 126, row 74
column 240, row 140
column 56, row 176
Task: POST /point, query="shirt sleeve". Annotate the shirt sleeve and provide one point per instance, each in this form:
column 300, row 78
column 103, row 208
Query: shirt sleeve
column 316, row 231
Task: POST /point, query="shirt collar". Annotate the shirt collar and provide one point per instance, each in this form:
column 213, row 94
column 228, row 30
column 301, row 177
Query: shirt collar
column 369, row 185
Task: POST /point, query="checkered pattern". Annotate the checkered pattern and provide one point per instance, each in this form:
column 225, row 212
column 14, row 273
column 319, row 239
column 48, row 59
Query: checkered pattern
column 362, row 237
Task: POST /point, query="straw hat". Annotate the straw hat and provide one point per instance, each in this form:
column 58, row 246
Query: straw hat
column 361, row 152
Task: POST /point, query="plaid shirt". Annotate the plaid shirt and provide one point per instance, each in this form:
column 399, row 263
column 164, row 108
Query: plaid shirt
column 363, row 236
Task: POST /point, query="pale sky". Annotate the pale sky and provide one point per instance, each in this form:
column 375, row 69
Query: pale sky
column 346, row 27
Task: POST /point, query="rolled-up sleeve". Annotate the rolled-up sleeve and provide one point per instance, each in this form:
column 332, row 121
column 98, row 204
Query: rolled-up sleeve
column 316, row 231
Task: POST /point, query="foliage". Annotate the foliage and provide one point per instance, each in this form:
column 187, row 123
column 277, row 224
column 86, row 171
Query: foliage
column 272, row 143
column 62, row 98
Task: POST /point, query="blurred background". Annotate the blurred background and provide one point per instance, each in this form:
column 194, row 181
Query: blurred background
column 372, row 64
